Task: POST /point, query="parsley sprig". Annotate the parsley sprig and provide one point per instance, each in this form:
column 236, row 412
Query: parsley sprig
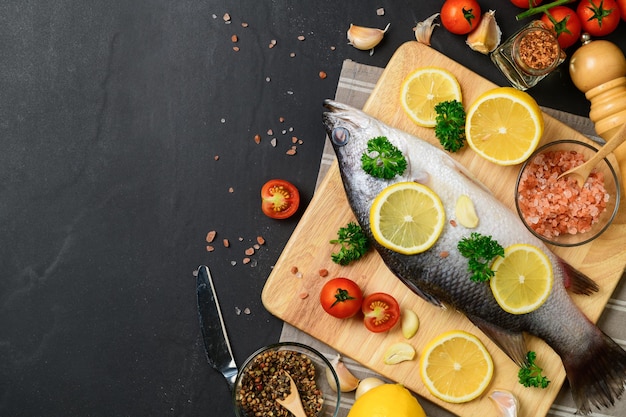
column 530, row 374
column 480, row 250
column 354, row 244
column 450, row 125
column 383, row 159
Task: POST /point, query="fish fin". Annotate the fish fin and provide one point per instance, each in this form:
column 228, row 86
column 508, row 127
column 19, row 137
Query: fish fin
column 511, row 342
column 577, row 282
column 468, row 174
column 596, row 377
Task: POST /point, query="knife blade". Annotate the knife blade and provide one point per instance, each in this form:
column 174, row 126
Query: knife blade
column 216, row 343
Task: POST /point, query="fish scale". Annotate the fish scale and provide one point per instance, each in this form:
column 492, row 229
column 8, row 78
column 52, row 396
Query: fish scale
column 594, row 363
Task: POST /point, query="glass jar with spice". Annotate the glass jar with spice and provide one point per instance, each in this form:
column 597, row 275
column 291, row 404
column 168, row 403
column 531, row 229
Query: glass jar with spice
column 529, row 55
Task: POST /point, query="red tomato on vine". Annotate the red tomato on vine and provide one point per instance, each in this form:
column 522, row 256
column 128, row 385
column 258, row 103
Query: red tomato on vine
column 598, row 17
column 460, row 16
column 622, row 8
column 566, row 24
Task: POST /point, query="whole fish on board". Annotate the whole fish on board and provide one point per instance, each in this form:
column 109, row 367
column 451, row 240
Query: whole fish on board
column 594, row 363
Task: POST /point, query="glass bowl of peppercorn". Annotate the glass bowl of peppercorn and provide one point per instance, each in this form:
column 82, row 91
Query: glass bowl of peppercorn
column 260, row 382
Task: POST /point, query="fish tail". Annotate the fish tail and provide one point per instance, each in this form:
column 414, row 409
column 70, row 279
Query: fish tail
column 597, row 376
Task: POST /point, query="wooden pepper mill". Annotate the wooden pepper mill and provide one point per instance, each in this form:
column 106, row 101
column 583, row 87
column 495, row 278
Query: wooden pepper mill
column 598, row 69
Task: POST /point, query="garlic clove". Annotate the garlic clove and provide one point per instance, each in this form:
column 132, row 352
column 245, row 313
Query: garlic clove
column 465, row 212
column 506, row 403
column 410, row 323
column 399, row 352
column 367, row 384
column 487, row 35
column 347, row 381
column 424, row 30
column 365, row 38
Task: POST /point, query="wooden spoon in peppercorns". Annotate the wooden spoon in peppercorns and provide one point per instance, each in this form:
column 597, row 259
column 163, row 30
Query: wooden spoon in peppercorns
column 292, row 401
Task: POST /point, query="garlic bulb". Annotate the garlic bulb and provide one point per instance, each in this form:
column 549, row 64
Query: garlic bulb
column 365, row 38
column 347, row 381
column 424, row 30
column 505, row 403
column 486, row 37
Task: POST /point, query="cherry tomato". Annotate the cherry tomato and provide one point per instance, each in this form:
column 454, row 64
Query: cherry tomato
column 598, row 17
column 566, row 24
column 525, row 4
column 621, row 4
column 341, row 298
column 460, row 16
column 381, row 311
column 280, row 199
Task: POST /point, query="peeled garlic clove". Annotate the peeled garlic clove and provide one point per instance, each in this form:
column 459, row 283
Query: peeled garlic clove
column 424, row 30
column 465, row 212
column 367, row 384
column 399, row 352
column 410, row 323
column 365, row 38
column 486, row 37
column 347, row 381
column 506, row 403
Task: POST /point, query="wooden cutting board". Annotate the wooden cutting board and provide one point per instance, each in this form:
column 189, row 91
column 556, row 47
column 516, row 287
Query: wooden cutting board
column 294, row 297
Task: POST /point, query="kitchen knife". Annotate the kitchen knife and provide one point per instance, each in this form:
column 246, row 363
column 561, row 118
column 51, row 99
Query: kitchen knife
column 218, row 351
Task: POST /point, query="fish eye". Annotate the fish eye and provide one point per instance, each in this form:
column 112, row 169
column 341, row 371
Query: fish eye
column 340, row 136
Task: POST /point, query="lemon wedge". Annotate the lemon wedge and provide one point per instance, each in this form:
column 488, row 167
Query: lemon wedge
column 423, row 89
column 407, row 217
column 522, row 279
column 456, row 367
column 504, row 125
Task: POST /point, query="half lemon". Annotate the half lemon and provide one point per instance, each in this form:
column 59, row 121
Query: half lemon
column 423, row 89
column 407, row 217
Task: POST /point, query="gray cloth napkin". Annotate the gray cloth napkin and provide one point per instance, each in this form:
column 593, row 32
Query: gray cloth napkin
column 356, row 83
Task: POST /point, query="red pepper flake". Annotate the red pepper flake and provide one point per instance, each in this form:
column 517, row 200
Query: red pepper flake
column 226, row 243
column 249, row 251
column 210, row 236
column 322, row 74
column 231, row 190
column 257, row 139
column 246, row 261
column 260, row 240
column 281, row 119
column 294, row 270
column 444, row 254
column 294, row 139
column 452, row 222
column 216, row 157
column 323, row 272
column 291, row 151
column 210, row 248
column 234, row 39
column 236, row 48
column 226, row 17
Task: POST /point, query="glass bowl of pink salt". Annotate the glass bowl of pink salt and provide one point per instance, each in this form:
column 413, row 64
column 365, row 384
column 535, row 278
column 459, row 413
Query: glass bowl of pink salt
column 557, row 210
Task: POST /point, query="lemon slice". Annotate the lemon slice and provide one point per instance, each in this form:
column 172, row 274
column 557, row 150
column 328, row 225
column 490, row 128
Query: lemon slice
column 407, row 217
column 522, row 279
column 423, row 89
column 504, row 125
column 456, row 367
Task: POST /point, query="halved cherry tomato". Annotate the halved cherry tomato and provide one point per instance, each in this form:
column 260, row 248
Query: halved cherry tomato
column 280, row 199
column 460, row 16
column 598, row 17
column 341, row 297
column 525, row 4
column 381, row 311
column 566, row 24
